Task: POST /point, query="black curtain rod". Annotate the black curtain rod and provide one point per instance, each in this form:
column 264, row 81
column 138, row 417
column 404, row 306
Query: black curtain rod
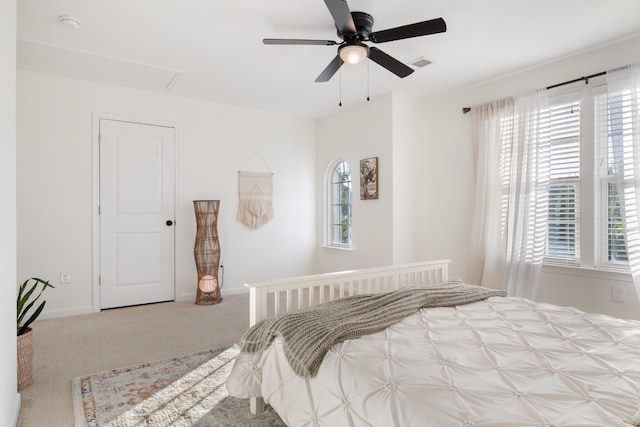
column 465, row 110
column 586, row 80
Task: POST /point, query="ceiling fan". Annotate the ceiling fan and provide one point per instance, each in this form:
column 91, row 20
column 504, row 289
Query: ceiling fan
column 354, row 28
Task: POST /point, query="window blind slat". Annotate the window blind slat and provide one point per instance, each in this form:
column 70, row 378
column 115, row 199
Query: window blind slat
column 564, row 191
column 612, row 114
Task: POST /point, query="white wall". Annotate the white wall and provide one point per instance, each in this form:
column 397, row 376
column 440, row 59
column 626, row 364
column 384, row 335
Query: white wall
column 354, row 134
column 447, row 196
column 449, row 177
column 384, row 230
column 9, row 397
column 55, row 172
column 408, row 182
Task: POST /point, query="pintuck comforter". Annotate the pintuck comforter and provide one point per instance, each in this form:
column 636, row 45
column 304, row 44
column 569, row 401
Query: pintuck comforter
column 502, row 361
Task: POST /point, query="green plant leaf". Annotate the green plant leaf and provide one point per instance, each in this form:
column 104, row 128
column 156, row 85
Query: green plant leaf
column 22, row 299
column 31, row 319
column 24, row 312
column 24, row 302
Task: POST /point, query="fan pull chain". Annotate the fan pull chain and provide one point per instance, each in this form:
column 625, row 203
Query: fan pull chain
column 340, row 83
column 368, row 79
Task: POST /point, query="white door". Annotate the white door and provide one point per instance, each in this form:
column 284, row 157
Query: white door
column 136, row 213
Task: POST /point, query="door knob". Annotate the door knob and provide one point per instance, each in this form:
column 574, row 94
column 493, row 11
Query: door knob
column 169, row 222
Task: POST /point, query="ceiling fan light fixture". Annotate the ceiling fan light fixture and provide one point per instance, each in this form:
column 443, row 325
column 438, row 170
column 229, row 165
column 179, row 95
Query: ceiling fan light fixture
column 355, row 28
column 353, row 53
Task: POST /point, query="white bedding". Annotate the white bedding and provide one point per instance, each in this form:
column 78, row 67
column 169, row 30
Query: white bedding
column 500, row 362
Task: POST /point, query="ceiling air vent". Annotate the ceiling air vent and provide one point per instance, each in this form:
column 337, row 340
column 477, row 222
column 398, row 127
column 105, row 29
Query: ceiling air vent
column 420, row 62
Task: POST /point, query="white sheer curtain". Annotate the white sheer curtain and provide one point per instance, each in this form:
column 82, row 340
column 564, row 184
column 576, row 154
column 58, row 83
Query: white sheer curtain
column 492, row 130
column 511, row 148
column 623, row 98
column 526, row 228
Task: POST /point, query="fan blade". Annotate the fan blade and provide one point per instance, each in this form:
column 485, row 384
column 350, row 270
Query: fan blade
column 389, row 62
column 299, row 41
column 418, row 29
column 331, row 69
column 341, row 15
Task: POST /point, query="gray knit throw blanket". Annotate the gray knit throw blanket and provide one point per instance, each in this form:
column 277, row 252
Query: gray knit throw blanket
column 308, row 334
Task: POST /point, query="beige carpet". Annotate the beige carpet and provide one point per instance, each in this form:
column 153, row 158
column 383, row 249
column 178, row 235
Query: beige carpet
column 76, row 346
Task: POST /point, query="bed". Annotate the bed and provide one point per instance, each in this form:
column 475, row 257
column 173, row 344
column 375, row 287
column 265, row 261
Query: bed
column 497, row 361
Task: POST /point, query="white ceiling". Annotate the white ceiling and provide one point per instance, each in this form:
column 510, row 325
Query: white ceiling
column 212, row 50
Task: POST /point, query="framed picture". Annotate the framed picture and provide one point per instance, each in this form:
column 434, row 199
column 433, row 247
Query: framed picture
column 369, row 178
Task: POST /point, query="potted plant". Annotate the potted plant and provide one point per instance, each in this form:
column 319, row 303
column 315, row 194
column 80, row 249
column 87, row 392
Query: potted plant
column 25, row 318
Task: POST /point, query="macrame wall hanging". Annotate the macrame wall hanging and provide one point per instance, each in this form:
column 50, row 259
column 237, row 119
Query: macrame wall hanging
column 255, row 192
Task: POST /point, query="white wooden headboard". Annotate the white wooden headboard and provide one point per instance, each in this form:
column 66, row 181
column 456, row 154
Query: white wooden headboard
column 279, row 296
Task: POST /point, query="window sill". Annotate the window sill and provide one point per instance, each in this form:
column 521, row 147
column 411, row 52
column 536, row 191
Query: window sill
column 339, row 248
column 600, row 272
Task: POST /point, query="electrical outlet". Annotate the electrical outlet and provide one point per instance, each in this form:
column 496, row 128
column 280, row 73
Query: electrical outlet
column 65, row 278
column 617, row 293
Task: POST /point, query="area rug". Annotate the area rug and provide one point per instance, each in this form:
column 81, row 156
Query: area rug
column 181, row 391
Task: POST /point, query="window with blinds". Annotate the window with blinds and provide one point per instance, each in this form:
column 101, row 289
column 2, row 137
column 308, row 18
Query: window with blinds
column 563, row 224
column 591, row 139
column 612, row 135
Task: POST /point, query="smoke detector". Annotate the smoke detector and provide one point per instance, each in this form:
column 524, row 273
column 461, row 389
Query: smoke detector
column 69, row 22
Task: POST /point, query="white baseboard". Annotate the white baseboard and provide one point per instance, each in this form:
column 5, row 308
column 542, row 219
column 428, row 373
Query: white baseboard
column 16, row 413
column 224, row 291
column 87, row 309
column 235, row 291
column 53, row 314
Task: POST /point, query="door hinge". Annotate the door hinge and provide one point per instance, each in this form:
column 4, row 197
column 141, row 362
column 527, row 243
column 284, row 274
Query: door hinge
column 99, row 280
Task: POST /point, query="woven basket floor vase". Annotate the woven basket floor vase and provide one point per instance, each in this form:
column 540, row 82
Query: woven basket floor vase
column 25, row 359
column 206, row 251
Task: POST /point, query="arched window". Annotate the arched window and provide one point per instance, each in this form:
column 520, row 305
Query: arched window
column 339, row 204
